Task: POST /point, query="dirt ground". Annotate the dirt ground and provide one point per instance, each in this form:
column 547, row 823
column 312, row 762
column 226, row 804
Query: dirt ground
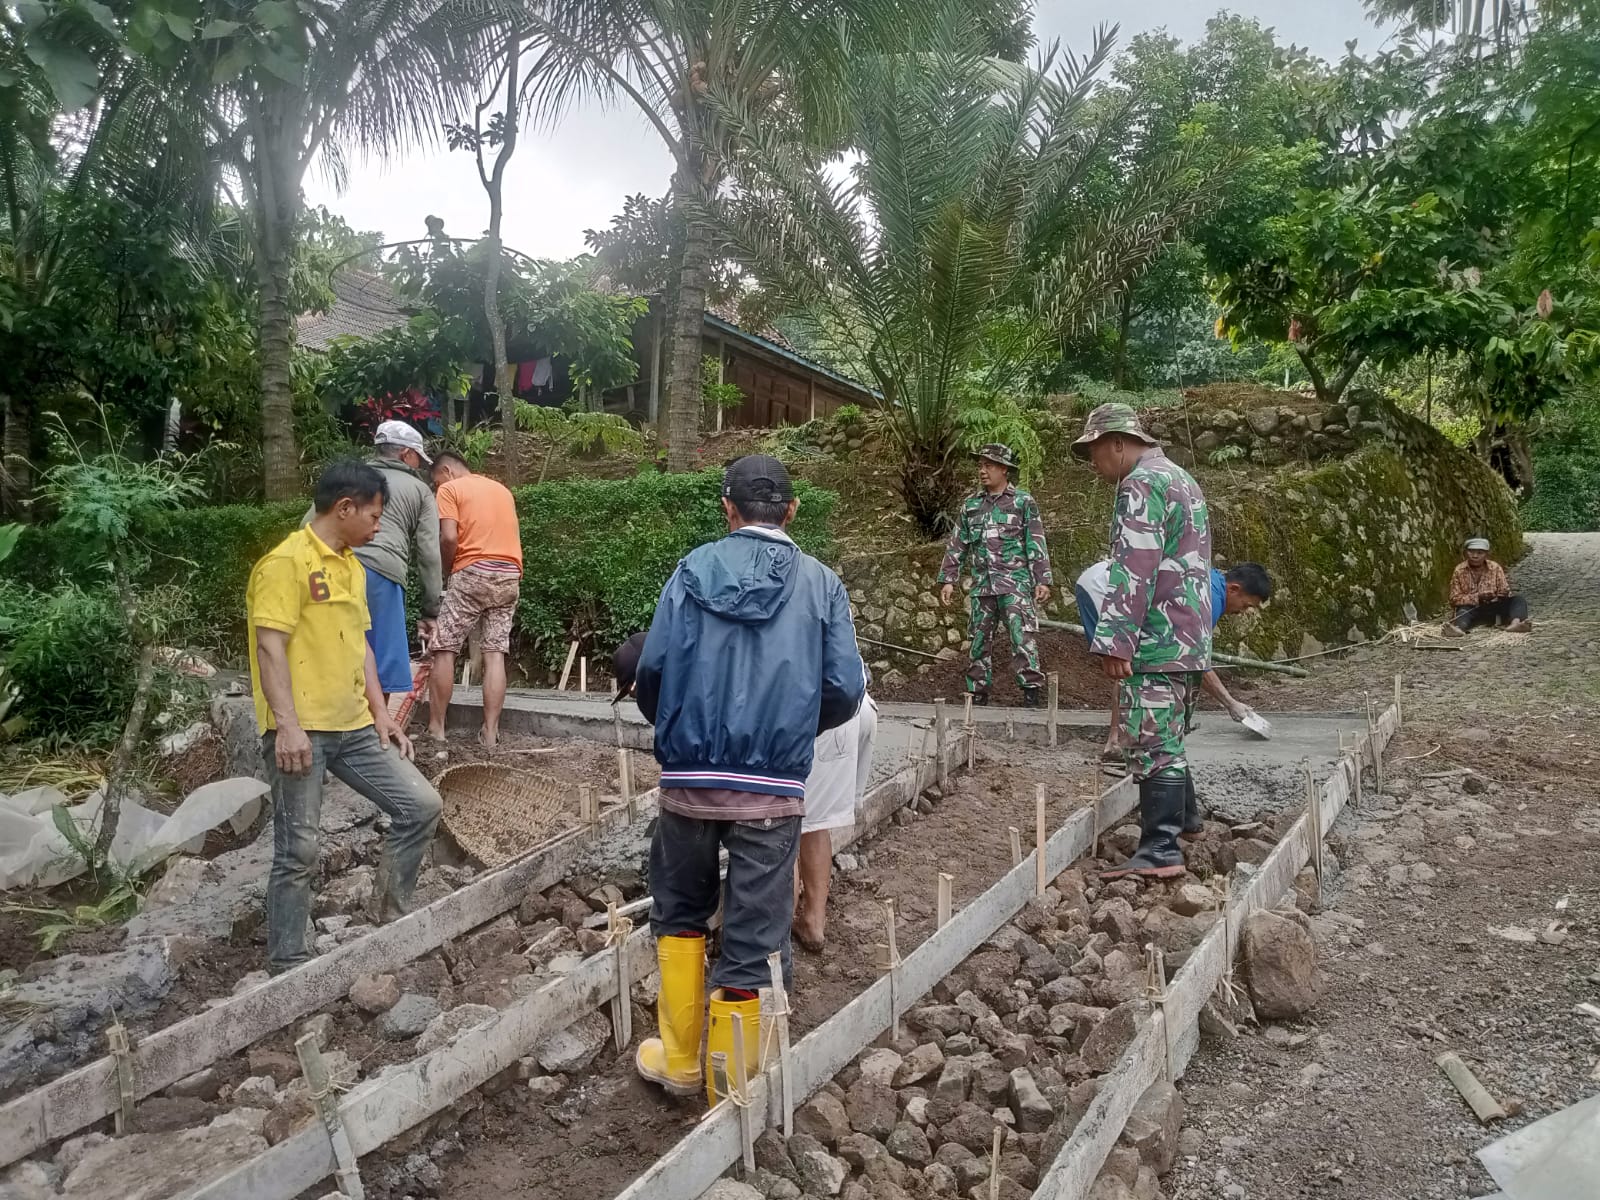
column 605, row 1129
column 1080, row 684
column 1350, row 1101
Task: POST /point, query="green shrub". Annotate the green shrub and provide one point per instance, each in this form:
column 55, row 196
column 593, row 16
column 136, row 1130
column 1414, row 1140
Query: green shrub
column 71, row 657
column 1566, row 492
column 206, row 553
column 596, row 553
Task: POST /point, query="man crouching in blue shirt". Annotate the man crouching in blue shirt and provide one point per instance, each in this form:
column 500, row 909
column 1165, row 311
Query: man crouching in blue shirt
column 751, row 655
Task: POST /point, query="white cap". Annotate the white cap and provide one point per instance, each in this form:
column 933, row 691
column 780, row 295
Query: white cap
column 398, row 433
column 1477, row 543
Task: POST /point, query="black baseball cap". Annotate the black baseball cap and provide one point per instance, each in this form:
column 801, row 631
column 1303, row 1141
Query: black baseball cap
column 757, row 478
column 625, row 664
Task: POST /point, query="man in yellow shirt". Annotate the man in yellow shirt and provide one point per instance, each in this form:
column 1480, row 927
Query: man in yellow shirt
column 320, row 707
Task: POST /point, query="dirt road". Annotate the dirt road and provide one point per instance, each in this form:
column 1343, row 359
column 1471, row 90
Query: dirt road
column 1487, row 839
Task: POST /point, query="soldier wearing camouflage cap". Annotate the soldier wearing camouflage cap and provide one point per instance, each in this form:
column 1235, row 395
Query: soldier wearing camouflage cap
column 1154, row 629
column 1000, row 536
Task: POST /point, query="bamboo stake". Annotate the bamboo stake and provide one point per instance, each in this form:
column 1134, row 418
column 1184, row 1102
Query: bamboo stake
column 939, row 742
column 1038, row 835
column 967, row 725
column 1011, row 729
column 347, row 1173
column 625, row 780
column 117, row 1041
column 583, row 675
column 780, row 1014
column 566, row 671
column 945, row 899
column 1016, row 845
column 1484, row 1106
column 741, row 1097
column 1397, row 717
column 1155, row 988
column 1054, row 682
column 994, row 1166
column 1314, row 826
column 588, row 810
column 889, row 964
column 618, row 928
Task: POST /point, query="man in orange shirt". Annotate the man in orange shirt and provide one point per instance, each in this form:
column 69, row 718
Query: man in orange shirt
column 480, row 545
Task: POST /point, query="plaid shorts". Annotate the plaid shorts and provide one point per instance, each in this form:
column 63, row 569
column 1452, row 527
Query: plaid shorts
column 477, row 593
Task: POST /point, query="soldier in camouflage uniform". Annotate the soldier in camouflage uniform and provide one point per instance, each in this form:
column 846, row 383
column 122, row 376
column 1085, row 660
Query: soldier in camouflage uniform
column 1154, row 631
column 1000, row 533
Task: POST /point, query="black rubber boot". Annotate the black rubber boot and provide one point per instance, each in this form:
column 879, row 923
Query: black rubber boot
column 1161, row 804
column 980, row 699
column 1193, row 823
column 1032, row 698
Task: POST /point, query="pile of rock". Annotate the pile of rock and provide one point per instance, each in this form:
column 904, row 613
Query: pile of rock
column 1269, row 435
column 1015, row 1039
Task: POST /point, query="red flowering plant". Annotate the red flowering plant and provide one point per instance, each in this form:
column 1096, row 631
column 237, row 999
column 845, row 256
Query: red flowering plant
column 410, row 406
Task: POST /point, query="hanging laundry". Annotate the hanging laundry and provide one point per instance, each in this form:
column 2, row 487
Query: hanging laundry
column 543, row 372
column 524, row 376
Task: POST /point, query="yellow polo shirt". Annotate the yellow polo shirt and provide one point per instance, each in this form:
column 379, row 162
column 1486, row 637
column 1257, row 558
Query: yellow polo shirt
column 319, row 598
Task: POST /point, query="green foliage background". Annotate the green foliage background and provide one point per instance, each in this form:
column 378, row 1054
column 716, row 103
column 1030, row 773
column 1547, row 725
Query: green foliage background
column 596, row 555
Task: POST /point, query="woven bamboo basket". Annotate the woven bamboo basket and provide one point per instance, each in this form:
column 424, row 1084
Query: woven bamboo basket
column 496, row 812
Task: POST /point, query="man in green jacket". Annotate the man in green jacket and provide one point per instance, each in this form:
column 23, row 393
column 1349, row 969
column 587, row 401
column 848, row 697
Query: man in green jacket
column 1000, row 536
column 410, row 517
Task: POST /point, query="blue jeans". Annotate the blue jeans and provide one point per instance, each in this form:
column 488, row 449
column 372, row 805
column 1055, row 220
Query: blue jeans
column 758, row 906
column 373, row 770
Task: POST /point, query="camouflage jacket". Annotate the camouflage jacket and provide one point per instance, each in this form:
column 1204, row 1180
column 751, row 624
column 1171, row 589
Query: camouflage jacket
column 1157, row 611
column 1001, row 538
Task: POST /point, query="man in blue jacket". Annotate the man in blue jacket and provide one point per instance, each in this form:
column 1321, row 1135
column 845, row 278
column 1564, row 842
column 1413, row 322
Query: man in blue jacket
column 751, row 655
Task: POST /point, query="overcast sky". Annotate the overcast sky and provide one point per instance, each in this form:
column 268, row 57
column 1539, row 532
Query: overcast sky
column 574, row 177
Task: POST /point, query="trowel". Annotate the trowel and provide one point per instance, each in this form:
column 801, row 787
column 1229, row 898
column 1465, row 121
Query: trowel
column 1256, row 723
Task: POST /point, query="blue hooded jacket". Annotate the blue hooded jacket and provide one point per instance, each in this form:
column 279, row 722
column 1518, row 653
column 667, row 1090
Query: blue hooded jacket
column 751, row 655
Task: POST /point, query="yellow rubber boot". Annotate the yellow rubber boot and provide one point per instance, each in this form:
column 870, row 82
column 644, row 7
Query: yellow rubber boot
column 719, row 1038
column 673, row 1059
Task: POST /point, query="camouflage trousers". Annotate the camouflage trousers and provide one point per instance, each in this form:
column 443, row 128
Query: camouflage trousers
column 1156, row 712
column 1016, row 615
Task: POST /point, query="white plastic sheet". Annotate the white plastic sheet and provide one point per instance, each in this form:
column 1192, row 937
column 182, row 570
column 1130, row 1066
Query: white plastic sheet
column 33, row 852
column 1556, row 1158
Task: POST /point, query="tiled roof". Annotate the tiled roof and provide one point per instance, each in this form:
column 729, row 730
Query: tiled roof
column 364, row 305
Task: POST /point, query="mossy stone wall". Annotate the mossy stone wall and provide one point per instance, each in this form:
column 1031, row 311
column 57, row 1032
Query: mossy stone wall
column 1350, row 542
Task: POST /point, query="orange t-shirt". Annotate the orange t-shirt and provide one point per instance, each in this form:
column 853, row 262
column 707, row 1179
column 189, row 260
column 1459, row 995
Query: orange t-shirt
column 486, row 521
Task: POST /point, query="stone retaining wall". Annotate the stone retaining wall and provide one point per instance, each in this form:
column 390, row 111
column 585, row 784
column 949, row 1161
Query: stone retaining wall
column 1353, row 539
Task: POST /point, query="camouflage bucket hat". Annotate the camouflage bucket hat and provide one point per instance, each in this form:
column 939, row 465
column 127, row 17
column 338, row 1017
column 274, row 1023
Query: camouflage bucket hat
column 998, row 452
column 1110, row 418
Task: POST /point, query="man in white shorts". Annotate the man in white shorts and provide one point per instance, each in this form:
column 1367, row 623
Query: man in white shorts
column 838, row 779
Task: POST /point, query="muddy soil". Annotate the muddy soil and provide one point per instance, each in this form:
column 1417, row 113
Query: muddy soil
column 1080, row 686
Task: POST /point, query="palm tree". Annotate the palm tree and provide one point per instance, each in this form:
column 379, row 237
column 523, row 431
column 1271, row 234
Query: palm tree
column 971, row 202
column 781, row 60
column 255, row 92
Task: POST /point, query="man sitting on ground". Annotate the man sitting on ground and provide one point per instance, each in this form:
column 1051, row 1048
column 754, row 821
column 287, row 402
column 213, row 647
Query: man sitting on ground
column 1481, row 594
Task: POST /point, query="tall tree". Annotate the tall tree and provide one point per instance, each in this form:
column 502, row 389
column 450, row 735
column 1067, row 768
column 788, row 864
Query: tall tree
column 250, row 94
column 782, row 61
column 969, row 204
